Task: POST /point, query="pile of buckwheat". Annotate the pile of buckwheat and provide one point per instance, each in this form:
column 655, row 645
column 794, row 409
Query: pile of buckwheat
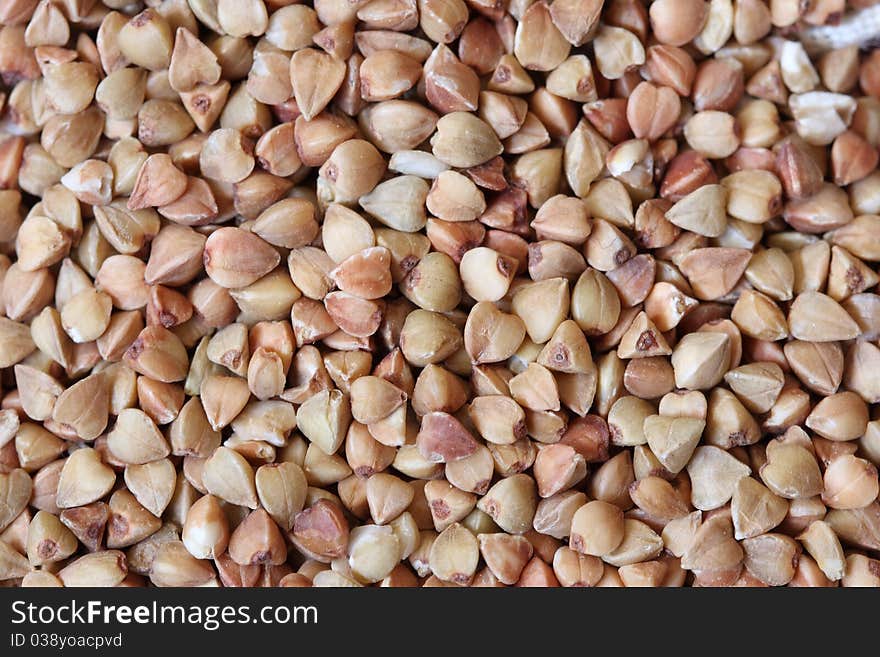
column 438, row 293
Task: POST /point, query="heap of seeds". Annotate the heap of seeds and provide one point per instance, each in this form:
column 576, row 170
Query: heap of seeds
column 437, row 293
